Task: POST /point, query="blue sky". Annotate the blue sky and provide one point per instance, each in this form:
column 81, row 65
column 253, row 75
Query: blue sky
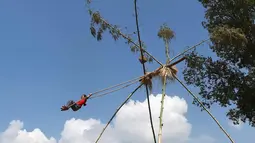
column 48, row 56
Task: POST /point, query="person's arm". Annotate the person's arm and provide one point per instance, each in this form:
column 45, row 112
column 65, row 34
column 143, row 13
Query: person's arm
column 85, row 101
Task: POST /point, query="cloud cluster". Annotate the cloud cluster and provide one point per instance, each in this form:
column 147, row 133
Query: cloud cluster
column 130, row 125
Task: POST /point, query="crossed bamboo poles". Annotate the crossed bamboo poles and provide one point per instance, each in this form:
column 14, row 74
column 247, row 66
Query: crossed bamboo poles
column 142, row 51
column 182, row 84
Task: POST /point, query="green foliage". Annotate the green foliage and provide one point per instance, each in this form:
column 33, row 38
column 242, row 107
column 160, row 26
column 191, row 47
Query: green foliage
column 229, row 80
column 167, row 35
column 98, row 26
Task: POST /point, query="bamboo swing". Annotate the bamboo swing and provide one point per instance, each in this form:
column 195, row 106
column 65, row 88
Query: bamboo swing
column 147, row 78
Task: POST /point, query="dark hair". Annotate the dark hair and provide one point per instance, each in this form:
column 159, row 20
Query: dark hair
column 84, row 95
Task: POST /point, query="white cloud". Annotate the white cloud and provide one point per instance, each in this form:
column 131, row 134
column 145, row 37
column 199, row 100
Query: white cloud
column 14, row 134
column 237, row 126
column 130, row 125
column 203, row 139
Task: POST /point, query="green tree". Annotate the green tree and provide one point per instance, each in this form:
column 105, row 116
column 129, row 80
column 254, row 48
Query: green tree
column 229, row 79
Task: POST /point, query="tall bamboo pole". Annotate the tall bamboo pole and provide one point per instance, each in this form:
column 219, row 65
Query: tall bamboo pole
column 144, row 71
column 130, row 95
column 211, row 115
column 161, row 110
column 166, row 34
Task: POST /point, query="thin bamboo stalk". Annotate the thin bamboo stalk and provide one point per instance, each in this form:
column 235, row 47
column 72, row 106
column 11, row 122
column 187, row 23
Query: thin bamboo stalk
column 198, row 100
column 167, row 51
column 125, row 37
column 132, row 41
column 130, row 95
column 185, row 51
column 161, row 111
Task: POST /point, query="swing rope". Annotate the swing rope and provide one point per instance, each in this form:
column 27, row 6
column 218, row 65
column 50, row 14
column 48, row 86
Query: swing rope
column 140, row 77
column 123, row 83
column 100, row 95
column 132, row 81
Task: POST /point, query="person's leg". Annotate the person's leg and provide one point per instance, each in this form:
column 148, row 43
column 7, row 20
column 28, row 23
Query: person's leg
column 75, row 107
column 69, row 103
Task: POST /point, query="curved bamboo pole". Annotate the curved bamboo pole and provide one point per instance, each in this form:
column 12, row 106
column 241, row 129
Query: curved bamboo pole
column 198, row 100
column 130, row 95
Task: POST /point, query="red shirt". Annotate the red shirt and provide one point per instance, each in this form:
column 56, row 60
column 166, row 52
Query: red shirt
column 81, row 102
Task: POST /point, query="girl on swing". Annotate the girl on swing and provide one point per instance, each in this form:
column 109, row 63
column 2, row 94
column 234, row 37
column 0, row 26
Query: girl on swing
column 75, row 106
